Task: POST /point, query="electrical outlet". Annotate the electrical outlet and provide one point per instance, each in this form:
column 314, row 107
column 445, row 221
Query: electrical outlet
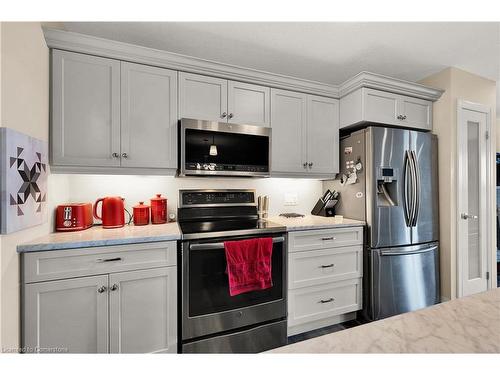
column 291, row 199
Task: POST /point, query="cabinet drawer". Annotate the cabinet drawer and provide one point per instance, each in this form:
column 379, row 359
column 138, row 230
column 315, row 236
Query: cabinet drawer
column 59, row 264
column 325, row 238
column 307, row 268
column 324, row 301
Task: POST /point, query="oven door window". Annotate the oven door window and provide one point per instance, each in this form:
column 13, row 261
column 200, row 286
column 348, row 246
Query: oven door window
column 209, row 285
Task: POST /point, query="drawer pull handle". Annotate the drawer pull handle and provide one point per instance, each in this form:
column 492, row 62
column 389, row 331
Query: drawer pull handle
column 100, row 260
column 327, row 265
column 328, row 238
column 327, row 300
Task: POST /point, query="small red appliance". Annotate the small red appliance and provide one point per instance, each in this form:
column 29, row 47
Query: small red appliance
column 74, row 216
column 158, row 209
column 141, row 214
column 112, row 212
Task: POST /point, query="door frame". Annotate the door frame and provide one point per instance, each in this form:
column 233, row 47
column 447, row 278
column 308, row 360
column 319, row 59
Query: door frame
column 481, row 108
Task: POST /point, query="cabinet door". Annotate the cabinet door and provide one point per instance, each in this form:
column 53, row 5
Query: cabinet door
column 149, row 116
column 67, row 315
column 322, row 135
column 288, row 123
column 417, row 112
column 85, row 110
column 248, row 104
column 380, row 106
column 202, row 97
column 143, row 311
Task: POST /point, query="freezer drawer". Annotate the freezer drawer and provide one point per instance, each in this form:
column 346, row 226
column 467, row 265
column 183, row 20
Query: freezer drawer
column 403, row 279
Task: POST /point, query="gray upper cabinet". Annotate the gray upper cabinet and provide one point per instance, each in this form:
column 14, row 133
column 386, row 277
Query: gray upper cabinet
column 215, row 99
column 322, row 135
column 248, row 104
column 288, row 123
column 202, row 97
column 85, row 110
column 68, row 315
column 370, row 105
column 148, row 116
column 143, row 311
column 305, row 133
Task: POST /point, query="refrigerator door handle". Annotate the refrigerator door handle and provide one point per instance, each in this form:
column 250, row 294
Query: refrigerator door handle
column 395, row 252
column 416, row 171
column 406, row 188
column 413, row 188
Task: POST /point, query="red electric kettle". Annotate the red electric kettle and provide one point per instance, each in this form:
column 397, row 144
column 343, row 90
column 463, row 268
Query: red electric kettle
column 112, row 212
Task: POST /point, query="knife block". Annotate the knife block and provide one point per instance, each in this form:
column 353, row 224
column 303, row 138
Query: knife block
column 324, row 209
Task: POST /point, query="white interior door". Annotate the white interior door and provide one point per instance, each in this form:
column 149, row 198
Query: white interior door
column 472, row 190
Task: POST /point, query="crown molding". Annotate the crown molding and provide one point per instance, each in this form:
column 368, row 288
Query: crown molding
column 91, row 45
column 389, row 84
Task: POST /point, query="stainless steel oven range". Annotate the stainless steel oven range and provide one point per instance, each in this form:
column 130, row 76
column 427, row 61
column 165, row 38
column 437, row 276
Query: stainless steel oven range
column 212, row 321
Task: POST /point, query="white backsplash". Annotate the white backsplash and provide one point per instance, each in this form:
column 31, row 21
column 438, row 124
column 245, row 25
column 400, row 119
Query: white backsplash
column 66, row 188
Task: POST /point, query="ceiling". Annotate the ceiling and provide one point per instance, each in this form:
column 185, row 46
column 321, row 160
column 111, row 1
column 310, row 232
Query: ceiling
column 327, row 52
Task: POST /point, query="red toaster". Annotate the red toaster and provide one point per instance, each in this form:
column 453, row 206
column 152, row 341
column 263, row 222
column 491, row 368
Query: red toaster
column 74, row 216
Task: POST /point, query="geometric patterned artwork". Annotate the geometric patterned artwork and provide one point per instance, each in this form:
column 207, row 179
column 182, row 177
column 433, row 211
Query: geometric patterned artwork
column 23, row 181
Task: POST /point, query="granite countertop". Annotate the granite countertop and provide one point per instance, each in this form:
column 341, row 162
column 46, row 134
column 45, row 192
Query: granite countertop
column 314, row 222
column 97, row 236
column 466, row 325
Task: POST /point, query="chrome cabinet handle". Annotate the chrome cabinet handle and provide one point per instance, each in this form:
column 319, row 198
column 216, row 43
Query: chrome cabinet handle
column 100, row 260
column 404, row 117
column 230, row 115
column 399, row 117
column 304, row 165
column 326, row 300
column 224, row 114
column 327, row 265
column 102, row 289
column 114, row 287
column 467, row 216
column 125, row 155
column 328, row 238
column 310, row 165
column 115, row 155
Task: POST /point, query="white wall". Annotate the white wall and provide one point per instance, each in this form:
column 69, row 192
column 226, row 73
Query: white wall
column 24, row 106
column 87, row 188
column 458, row 84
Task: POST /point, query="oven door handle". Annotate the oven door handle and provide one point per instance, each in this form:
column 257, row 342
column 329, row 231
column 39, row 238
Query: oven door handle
column 220, row 245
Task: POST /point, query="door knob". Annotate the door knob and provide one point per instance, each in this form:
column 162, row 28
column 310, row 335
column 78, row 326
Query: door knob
column 304, row 165
column 310, row 165
column 467, row 216
column 115, row 155
column 125, row 155
column 230, row 115
column 102, row 289
column 114, row 287
column 224, row 114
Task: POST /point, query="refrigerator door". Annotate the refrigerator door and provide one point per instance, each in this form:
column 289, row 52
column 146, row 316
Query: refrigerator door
column 403, row 279
column 386, row 159
column 423, row 148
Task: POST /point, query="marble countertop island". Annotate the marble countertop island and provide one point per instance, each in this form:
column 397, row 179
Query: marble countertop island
column 97, row 236
column 466, row 325
column 314, row 222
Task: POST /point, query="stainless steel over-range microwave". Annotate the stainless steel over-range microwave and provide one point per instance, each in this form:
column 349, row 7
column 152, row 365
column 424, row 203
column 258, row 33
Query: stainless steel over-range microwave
column 210, row 148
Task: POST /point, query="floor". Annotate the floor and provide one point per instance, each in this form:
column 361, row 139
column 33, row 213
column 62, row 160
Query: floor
column 325, row 330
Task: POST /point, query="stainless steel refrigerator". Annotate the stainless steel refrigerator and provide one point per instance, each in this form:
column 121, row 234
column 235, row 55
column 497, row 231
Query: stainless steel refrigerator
column 388, row 178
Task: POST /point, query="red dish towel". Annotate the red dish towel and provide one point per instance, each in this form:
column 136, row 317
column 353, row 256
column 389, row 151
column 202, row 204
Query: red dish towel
column 249, row 264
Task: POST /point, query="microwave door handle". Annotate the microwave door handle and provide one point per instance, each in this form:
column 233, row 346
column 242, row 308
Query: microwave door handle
column 220, row 245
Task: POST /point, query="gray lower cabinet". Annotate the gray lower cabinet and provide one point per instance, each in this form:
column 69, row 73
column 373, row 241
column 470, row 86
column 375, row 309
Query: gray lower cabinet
column 143, row 311
column 66, row 315
column 305, row 134
column 110, row 310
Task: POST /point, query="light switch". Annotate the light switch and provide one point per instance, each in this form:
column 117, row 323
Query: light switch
column 291, row 199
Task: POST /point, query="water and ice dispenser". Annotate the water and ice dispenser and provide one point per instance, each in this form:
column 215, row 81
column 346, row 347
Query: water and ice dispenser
column 387, row 187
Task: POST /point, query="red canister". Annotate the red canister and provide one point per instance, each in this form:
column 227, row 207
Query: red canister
column 158, row 210
column 141, row 214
